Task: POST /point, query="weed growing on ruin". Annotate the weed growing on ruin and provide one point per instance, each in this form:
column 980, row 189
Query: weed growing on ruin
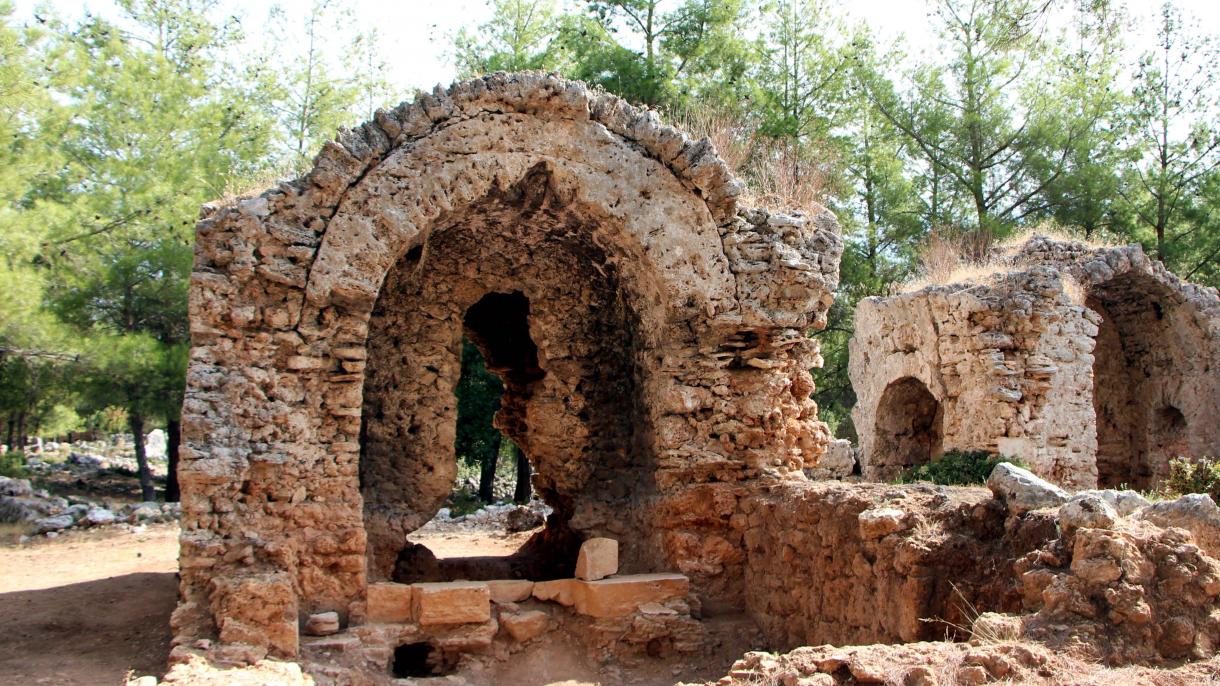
column 1193, row 476
column 957, row 468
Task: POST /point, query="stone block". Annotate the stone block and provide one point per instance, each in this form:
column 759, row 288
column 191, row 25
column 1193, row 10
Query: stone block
column 523, row 626
column 390, row 603
column 562, row 591
column 510, row 590
column 623, row 595
column 598, row 559
column 451, row 602
column 322, row 624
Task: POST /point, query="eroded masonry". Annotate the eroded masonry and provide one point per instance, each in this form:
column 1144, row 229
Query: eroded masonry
column 653, row 336
column 1094, row 365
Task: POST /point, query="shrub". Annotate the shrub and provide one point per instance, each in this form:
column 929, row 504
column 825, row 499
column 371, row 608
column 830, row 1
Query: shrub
column 957, row 468
column 1193, row 476
column 12, row 464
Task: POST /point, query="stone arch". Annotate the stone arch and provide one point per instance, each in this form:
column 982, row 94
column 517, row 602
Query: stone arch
column 1136, row 365
column 316, row 303
column 909, row 428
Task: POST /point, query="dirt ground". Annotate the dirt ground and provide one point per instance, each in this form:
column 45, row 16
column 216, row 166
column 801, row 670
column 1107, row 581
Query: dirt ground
column 86, row 608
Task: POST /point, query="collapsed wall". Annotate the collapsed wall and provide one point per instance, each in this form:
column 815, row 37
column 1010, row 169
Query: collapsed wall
column 1095, row 366
column 651, row 334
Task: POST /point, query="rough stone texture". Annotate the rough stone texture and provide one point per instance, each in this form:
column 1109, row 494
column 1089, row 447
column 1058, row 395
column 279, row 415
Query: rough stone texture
column 623, row 595
column 451, row 602
column 1093, row 365
column 322, row 624
column 660, row 350
column 838, row 461
column 510, row 590
column 523, row 626
column 390, row 602
column 1021, row 491
column 1197, row 513
column 829, row 562
column 1135, row 594
column 1087, row 512
column 598, row 559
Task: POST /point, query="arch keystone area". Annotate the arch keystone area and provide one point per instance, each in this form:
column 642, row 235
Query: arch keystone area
column 670, row 324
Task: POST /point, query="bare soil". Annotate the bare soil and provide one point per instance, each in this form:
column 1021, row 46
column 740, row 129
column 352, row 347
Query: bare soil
column 87, row 607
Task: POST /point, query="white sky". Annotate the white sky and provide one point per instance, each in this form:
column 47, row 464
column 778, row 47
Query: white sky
column 415, row 34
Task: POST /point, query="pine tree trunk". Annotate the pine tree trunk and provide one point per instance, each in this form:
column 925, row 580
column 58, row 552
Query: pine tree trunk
column 173, row 429
column 21, row 438
column 522, row 493
column 135, row 422
column 487, row 473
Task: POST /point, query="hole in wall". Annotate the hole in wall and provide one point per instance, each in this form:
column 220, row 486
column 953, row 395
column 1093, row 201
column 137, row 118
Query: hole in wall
column 422, row 660
column 909, row 427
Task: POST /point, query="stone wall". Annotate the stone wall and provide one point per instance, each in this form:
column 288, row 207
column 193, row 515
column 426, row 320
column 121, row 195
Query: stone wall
column 1093, row 365
column 670, row 329
column 863, row 563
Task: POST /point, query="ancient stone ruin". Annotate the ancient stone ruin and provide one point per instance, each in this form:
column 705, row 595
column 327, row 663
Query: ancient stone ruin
column 1095, row 366
column 653, row 337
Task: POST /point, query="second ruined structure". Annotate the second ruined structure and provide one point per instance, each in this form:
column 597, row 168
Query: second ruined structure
column 1094, row 365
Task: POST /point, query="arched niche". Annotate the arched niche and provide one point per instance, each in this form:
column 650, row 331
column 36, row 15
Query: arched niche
column 909, row 429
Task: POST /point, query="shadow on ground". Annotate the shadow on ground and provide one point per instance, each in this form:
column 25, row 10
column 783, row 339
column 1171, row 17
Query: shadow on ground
column 88, row 633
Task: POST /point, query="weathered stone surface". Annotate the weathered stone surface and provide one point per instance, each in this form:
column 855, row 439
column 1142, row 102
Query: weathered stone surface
column 598, row 559
column 1093, row 365
column 623, row 595
column 881, row 521
column 510, row 590
column 391, row 603
column 1197, row 513
column 660, row 335
column 1088, row 512
column 838, row 461
column 322, row 624
column 1125, row 503
column 523, row 626
column 451, row 602
column 562, row 591
column 1021, row 491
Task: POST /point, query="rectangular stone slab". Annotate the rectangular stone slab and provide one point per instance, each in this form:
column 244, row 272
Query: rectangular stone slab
column 623, row 595
column 510, row 590
column 451, row 602
column 389, row 603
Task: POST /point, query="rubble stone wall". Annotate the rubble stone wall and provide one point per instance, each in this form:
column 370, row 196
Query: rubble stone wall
column 838, row 563
column 671, row 329
column 1093, row 365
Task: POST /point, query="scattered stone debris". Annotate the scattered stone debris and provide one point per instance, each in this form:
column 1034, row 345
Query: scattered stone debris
column 49, row 515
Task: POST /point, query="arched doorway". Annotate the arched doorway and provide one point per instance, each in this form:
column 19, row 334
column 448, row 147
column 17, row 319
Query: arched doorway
column 1136, row 362
column 909, row 428
column 518, row 274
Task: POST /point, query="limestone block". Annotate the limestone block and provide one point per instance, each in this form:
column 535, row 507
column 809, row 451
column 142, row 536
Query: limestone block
column 451, row 602
column 510, row 590
column 389, row 603
column 1087, row 512
column 1022, row 491
column 598, row 559
column 523, row 626
column 623, row 595
column 562, row 591
column 1197, row 513
column 881, row 521
column 322, row 624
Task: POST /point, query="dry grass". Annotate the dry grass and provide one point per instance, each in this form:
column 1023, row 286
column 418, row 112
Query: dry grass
column 976, row 257
column 241, row 189
column 775, row 172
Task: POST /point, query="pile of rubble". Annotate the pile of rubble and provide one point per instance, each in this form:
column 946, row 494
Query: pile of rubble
column 48, row 515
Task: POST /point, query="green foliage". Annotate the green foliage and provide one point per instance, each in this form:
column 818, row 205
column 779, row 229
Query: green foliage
column 478, row 396
column 1192, row 476
column 957, row 468
column 12, row 464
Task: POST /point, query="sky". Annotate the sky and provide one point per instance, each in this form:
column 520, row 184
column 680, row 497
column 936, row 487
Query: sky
column 416, row 35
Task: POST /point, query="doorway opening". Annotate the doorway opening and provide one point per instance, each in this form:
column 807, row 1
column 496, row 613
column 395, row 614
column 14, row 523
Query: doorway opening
column 909, row 427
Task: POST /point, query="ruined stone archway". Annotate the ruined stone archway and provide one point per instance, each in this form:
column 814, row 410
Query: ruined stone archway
column 326, row 316
column 1137, row 377
column 909, row 429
